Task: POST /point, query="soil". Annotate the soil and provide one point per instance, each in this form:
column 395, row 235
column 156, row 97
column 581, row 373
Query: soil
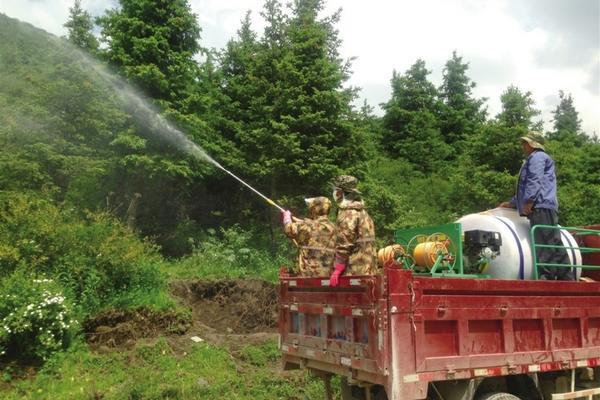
column 115, row 328
column 223, row 312
column 230, row 306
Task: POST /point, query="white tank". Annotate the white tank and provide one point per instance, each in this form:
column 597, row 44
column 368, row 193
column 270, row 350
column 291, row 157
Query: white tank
column 515, row 260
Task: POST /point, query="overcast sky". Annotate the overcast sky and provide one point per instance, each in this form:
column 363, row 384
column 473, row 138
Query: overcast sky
column 540, row 46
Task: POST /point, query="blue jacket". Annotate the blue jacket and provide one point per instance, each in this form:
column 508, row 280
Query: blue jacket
column 537, row 182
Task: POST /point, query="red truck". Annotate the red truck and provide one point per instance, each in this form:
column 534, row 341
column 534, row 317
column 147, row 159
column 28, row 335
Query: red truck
column 400, row 335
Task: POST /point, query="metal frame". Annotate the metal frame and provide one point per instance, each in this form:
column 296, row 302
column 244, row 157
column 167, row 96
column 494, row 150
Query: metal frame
column 575, row 232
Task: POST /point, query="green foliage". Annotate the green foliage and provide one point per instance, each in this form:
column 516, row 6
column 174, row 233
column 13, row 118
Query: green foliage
column 153, row 43
column 475, row 188
column 461, row 115
column 567, row 125
column 36, row 319
column 578, row 181
column 411, row 129
column 518, row 109
column 286, row 108
column 235, row 253
column 80, row 27
column 95, row 258
column 497, row 147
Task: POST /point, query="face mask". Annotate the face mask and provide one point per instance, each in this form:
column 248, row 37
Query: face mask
column 338, row 199
column 309, row 203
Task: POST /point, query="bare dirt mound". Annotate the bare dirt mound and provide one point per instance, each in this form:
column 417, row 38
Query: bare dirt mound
column 230, row 306
column 115, row 328
column 221, row 311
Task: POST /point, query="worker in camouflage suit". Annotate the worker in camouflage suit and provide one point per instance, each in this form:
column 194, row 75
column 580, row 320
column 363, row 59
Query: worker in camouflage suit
column 314, row 236
column 355, row 250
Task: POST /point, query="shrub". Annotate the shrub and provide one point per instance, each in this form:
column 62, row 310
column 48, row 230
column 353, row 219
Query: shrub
column 36, row 319
column 96, row 259
column 235, row 253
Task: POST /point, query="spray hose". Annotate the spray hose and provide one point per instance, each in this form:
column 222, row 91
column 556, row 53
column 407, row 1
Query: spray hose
column 271, row 202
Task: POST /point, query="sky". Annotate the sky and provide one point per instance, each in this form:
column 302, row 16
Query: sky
column 541, row 46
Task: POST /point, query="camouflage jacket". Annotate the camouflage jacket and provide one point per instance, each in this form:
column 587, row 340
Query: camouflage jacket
column 355, row 239
column 316, row 241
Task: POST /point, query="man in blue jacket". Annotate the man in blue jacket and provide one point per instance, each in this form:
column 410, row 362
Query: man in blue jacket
column 536, row 200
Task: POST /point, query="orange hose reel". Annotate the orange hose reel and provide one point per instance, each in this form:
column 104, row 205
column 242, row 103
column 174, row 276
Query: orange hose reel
column 389, row 254
column 426, row 254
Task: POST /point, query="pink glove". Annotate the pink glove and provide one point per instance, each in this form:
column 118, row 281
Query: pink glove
column 286, row 217
column 334, row 279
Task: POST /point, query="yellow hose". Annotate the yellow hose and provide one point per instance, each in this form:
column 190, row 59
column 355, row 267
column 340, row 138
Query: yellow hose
column 426, row 254
column 389, row 254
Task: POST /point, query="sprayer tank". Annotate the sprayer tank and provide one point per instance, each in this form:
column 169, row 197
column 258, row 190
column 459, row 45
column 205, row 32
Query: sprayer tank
column 515, row 260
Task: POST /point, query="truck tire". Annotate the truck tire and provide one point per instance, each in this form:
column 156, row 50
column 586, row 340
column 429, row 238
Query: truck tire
column 354, row 392
column 350, row 392
column 498, row 396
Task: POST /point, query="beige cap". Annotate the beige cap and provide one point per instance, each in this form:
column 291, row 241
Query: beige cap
column 535, row 140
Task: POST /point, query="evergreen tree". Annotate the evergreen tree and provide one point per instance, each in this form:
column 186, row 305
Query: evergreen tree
column 567, row 125
column 80, row 27
column 238, row 70
column 411, row 128
column 518, row 109
column 153, row 42
column 289, row 112
column 461, row 114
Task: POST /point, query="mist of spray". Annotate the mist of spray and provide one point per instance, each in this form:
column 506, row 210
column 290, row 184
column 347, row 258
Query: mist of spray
column 150, row 117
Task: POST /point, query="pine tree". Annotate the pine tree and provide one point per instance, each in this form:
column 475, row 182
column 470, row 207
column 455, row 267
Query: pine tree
column 411, row 128
column 518, row 109
column 153, row 42
column 288, row 111
column 461, row 114
column 238, row 70
column 80, row 27
column 567, row 125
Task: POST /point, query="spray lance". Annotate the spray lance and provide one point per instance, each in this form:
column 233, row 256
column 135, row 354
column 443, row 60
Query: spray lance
column 271, row 202
column 268, row 200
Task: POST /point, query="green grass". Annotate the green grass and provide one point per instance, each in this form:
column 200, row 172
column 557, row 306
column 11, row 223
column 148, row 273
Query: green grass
column 201, row 266
column 159, row 370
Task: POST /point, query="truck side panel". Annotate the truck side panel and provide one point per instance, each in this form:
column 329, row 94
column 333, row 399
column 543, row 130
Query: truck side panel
column 404, row 331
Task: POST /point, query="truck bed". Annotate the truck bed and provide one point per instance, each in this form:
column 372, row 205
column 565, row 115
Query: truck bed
column 403, row 331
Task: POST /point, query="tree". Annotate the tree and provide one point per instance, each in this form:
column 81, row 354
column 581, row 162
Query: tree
column 461, row 114
column 153, row 42
column 80, row 27
column 486, row 173
column 239, row 75
column 287, row 108
column 411, row 127
column 518, row 109
column 567, row 125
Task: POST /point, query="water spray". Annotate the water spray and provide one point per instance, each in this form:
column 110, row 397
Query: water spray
column 146, row 114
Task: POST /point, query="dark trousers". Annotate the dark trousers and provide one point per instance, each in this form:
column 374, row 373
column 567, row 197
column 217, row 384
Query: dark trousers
column 543, row 216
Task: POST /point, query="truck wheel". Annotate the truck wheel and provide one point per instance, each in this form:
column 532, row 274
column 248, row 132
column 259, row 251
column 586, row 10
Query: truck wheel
column 498, row 396
column 354, row 392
